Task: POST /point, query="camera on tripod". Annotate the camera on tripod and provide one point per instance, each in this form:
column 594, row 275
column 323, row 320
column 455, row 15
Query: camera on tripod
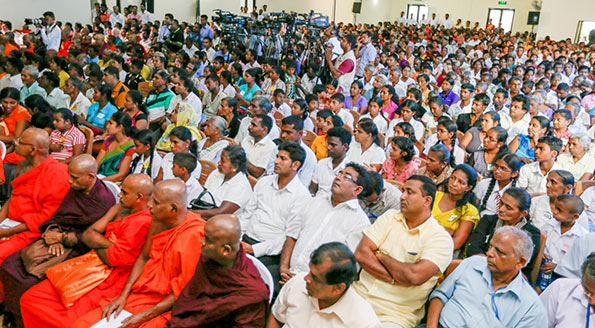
column 36, row 21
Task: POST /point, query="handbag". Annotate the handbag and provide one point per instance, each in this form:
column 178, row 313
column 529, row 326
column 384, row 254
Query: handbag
column 76, row 277
column 199, row 204
column 37, row 258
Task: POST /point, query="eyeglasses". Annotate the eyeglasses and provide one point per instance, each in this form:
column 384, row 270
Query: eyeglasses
column 347, row 176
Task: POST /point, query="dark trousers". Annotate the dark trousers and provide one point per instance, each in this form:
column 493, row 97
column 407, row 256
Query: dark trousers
column 273, row 263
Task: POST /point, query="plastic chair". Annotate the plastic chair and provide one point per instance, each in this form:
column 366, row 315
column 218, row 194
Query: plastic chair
column 114, row 189
column 144, row 88
column 2, row 149
column 265, row 274
column 207, row 168
column 355, row 115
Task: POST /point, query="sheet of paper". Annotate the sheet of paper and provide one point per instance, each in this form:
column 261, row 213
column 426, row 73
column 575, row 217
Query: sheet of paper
column 114, row 322
column 8, row 223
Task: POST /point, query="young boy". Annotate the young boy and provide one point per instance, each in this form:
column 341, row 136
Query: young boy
column 532, row 177
column 563, row 231
column 312, row 102
column 184, row 165
column 337, row 106
column 519, row 108
column 279, row 103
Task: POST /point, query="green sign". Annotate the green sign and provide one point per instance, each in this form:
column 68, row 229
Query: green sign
column 502, row 2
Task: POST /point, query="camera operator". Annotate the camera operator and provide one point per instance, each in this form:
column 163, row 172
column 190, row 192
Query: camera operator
column 343, row 68
column 50, row 32
column 332, row 41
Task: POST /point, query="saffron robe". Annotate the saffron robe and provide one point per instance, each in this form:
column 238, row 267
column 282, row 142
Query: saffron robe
column 222, row 297
column 76, row 213
column 172, row 261
column 41, row 305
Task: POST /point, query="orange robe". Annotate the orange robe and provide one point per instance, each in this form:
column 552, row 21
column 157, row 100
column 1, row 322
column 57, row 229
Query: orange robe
column 36, row 196
column 172, row 262
column 41, row 305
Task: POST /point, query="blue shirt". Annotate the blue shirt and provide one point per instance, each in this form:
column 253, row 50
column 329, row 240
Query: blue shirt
column 206, row 31
column 470, row 300
column 99, row 117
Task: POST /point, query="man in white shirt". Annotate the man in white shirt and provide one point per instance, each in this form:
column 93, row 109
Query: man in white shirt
column 338, row 140
column 189, row 47
column 258, row 145
column 532, row 177
column 275, row 212
column 258, row 105
column 144, row 13
column 78, row 103
column 570, row 265
column 326, row 219
column 434, row 20
column 323, row 297
column 50, row 33
column 207, row 44
column 447, row 23
column 402, row 20
column 116, row 17
column 49, row 81
column 395, row 81
column 292, row 128
column 463, row 106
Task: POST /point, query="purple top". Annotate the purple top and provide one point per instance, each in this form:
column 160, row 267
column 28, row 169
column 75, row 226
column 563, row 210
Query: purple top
column 450, row 98
column 361, row 102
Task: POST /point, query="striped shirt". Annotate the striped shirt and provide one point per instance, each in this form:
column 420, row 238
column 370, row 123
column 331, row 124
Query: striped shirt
column 68, row 139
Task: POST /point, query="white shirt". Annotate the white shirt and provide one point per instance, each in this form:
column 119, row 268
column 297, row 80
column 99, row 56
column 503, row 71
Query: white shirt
column 418, row 128
column 245, row 124
column 275, row 214
column 374, row 154
column 57, row 98
column 584, row 165
column 145, row 162
column 283, row 108
column 541, row 215
column 145, row 16
column 570, row 265
column 324, row 223
column 380, row 122
column 190, row 51
column 16, row 81
column 167, row 164
column 80, row 106
column 258, row 153
column 51, row 37
column 518, row 127
column 531, row 178
column 480, row 191
column 325, row 175
column 193, row 189
column 588, row 197
column 566, row 304
column 296, row 309
column 236, row 190
column 557, row 244
column 306, row 171
column 116, row 18
column 347, row 118
column 192, row 99
column 455, row 109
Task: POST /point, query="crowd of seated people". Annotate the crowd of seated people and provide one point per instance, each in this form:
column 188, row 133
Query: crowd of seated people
column 434, row 173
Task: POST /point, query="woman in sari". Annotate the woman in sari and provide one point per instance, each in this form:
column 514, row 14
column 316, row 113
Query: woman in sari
column 210, row 148
column 183, row 115
column 116, row 154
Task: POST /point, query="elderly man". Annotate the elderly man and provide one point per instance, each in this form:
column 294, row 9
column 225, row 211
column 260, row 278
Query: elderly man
column 226, row 289
column 128, row 222
column 37, row 192
column 323, row 297
column 490, row 291
column 77, row 102
column 258, row 105
column 29, row 75
column 402, row 255
column 165, row 265
column 337, row 217
column 87, row 200
column 569, row 302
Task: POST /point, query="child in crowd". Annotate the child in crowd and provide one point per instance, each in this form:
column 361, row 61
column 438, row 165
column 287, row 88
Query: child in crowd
column 373, row 113
column 184, row 164
column 561, row 122
column 146, row 159
column 299, row 108
column 313, row 108
column 338, row 108
column 279, row 103
column 319, row 145
column 532, row 177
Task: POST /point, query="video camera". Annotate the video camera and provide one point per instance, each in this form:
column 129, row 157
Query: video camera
column 36, row 21
column 229, row 22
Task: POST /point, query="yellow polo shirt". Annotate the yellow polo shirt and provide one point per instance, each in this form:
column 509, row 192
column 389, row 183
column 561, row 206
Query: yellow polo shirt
column 429, row 241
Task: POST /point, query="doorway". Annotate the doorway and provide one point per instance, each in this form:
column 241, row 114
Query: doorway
column 501, row 18
column 419, row 12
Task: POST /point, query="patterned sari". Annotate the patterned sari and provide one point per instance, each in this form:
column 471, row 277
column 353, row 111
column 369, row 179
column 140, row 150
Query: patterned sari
column 110, row 163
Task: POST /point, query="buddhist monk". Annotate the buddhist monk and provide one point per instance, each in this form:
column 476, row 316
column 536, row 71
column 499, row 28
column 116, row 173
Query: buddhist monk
column 165, row 265
column 87, row 200
column 227, row 289
column 36, row 194
column 128, row 223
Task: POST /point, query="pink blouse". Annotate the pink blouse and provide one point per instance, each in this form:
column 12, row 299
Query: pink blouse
column 388, row 170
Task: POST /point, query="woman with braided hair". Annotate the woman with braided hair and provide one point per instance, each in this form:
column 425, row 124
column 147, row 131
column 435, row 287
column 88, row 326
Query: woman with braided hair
column 454, row 209
column 489, row 191
column 447, row 135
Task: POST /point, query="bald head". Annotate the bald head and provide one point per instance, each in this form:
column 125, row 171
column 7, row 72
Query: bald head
column 172, row 191
column 139, row 184
column 37, row 137
column 84, row 164
column 225, row 229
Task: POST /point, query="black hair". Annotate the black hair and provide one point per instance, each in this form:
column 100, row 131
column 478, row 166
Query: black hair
column 137, row 98
column 493, row 114
column 123, row 119
column 554, row 143
column 303, row 106
column 544, row 122
column 37, row 101
column 574, row 203
column 514, row 163
column 566, row 177
column 52, row 78
column 502, row 136
column 338, row 97
column 408, row 130
column 406, row 146
column 337, row 121
column 451, row 127
column 369, row 127
column 428, row 187
column 10, row 92
column 182, row 133
column 564, row 113
column 444, row 154
column 376, row 184
column 265, row 121
column 340, row 132
column 105, row 90
column 296, row 121
column 296, row 152
column 41, row 120
column 522, row 196
column 144, row 137
column 482, row 98
column 468, row 196
column 524, row 100
column 237, row 157
column 344, row 266
column 324, row 113
column 186, row 161
column 363, row 177
column 65, row 114
column 256, row 73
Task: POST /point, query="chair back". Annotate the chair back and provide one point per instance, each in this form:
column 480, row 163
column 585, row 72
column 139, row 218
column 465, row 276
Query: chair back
column 355, row 115
column 114, row 189
column 207, row 168
column 278, row 117
column 266, row 275
column 90, row 136
column 308, row 137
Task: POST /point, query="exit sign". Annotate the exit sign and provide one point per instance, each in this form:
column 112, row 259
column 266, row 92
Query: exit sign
column 502, row 2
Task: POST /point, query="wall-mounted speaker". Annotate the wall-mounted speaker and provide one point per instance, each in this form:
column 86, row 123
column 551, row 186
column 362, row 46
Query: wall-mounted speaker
column 357, row 8
column 533, row 18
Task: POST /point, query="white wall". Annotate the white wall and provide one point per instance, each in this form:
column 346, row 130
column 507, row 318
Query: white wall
column 559, row 18
column 65, row 10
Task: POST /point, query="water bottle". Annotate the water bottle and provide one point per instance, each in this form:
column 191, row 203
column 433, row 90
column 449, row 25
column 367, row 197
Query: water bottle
column 544, row 278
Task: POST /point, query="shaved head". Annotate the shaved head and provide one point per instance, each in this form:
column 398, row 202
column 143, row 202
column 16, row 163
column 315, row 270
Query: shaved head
column 84, row 164
column 139, row 184
column 38, row 137
column 225, row 229
column 172, row 191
